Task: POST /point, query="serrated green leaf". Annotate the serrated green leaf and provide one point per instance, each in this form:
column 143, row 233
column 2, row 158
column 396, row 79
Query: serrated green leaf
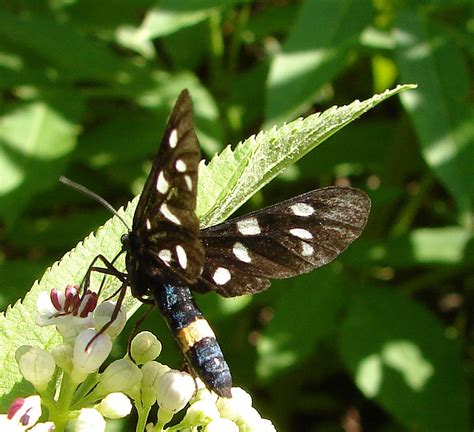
column 225, row 184
column 232, row 177
column 399, row 355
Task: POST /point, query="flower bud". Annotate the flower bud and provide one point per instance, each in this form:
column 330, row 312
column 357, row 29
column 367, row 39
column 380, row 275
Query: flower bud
column 151, row 373
column 221, row 425
column 62, row 355
column 22, row 349
column 37, row 366
column 266, row 426
column 87, row 356
column 145, row 347
column 174, row 390
column 201, row 412
column 69, row 327
column 250, row 420
column 89, row 419
column 103, row 315
column 235, row 408
column 203, row 393
column 115, row 405
column 119, row 376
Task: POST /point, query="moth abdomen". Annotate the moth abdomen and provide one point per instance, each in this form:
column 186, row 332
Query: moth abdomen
column 207, row 359
column 195, row 337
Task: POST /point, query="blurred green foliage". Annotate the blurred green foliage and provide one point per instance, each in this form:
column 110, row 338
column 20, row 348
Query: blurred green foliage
column 383, row 337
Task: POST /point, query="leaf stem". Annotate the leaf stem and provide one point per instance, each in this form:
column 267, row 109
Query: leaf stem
column 240, row 22
column 409, row 212
column 432, row 278
column 216, row 49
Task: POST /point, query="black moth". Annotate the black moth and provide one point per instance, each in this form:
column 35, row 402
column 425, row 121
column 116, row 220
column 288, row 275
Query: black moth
column 168, row 256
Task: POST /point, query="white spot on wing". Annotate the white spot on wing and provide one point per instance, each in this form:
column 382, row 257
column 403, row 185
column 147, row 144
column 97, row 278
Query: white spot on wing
column 148, row 224
column 165, row 256
column 165, row 211
column 189, row 182
column 241, row 252
column 180, row 165
column 182, row 257
column 249, row 226
column 301, row 233
column 161, row 184
column 221, row 276
column 306, row 249
column 173, row 139
column 302, row 209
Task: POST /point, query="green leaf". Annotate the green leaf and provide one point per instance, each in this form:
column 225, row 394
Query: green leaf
column 232, row 177
column 298, row 325
column 172, row 15
column 168, row 17
column 439, row 108
column 316, row 52
column 126, row 135
column 17, row 70
column 399, row 355
column 270, row 20
column 36, row 139
column 59, row 45
column 226, row 183
column 165, row 90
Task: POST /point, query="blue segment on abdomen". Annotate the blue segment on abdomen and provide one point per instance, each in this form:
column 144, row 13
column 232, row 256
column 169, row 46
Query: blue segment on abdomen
column 177, row 305
column 179, row 309
column 207, row 358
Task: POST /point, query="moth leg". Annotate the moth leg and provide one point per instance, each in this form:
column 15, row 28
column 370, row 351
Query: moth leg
column 114, row 293
column 108, row 270
column 113, row 317
column 189, row 369
column 112, row 265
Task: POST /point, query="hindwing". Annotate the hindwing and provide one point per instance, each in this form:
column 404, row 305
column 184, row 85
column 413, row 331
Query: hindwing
column 281, row 241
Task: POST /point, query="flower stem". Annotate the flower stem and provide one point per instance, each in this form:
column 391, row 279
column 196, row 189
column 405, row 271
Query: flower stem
column 60, row 416
column 143, row 413
column 164, row 417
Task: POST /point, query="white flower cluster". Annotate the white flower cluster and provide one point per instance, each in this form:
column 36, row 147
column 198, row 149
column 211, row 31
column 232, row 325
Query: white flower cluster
column 217, row 414
column 81, row 393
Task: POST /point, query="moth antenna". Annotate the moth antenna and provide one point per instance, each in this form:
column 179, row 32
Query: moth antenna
column 87, row 192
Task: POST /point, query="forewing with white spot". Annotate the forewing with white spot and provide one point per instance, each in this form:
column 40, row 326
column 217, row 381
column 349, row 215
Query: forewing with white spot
column 165, row 226
column 281, row 241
